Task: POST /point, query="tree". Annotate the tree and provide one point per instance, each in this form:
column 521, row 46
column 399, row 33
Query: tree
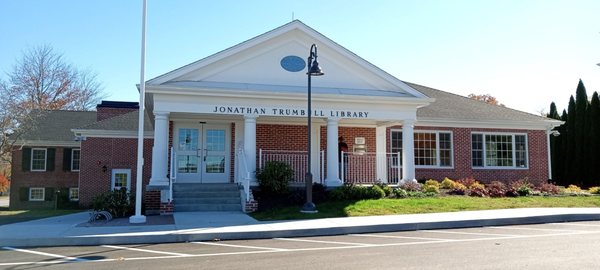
column 594, row 146
column 581, row 132
column 487, row 98
column 42, row 80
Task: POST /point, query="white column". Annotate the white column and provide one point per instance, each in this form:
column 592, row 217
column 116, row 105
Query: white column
column 250, row 144
column 408, row 152
column 315, row 151
column 160, row 153
column 381, row 153
column 333, row 179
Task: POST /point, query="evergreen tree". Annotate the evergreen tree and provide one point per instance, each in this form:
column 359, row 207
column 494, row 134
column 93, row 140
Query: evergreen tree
column 555, row 145
column 562, row 161
column 570, row 139
column 553, row 112
column 594, row 144
column 581, row 133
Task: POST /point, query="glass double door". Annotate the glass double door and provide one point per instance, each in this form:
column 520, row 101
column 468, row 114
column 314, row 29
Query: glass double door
column 202, row 152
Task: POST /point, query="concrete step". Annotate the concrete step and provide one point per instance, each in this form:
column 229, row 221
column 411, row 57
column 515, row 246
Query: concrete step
column 204, row 194
column 205, row 187
column 207, row 207
column 190, row 200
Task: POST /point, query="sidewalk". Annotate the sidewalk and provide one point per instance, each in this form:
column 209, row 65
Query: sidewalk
column 203, row 226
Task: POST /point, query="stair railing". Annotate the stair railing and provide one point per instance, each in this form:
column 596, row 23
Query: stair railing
column 243, row 173
column 172, row 173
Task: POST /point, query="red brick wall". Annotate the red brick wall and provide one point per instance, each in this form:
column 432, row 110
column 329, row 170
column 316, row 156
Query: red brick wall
column 537, row 155
column 114, row 153
column 55, row 179
column 281, row 137
column 107, row 112
column 349, row 133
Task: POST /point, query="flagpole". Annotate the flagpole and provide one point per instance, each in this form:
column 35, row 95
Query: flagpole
column 138, row 217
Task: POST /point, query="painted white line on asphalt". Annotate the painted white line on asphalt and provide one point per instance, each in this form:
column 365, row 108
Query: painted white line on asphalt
column 238, row 246
column 314, row 249
column 45, row 254
column 534, row 229
column 148, row 250
column 577, row 224
column 468, row 233
column 398, row 237
column 323, row 242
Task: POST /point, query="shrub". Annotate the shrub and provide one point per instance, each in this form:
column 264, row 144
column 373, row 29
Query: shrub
column 594, row 190
column 275, row 177
column 521, row 187
column 400, row 193
column 375, row 192
column 432, row 182
column 352, row 192
column 496, row 189
column 548, row 188
column 119, row 203
column 387, row 189
column 574, row 190
column 458, row 189
column 447, row 183
column 478, row 190
column 411, row 186
column 468, row 181
column 431, row 189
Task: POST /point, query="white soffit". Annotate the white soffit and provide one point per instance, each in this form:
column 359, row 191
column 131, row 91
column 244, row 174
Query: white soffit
column 256, row 63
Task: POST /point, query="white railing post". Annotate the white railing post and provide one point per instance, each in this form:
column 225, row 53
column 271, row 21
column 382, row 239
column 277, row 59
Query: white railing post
column 399, row 166
column 260, row 159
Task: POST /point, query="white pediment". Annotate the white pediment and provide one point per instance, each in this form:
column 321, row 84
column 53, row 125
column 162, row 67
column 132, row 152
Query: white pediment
column 257, row 65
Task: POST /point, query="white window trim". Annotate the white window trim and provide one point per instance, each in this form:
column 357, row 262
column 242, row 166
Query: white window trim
column 437, row 146
column 514, row 151
column 114, row 172
column 73, row 151
column 45, row 159
column 43, row 194
column 71, row 199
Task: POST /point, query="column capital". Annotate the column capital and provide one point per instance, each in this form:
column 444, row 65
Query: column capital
column 250, row 117
column 333, row 120
column 408, row 122
column 161, row 114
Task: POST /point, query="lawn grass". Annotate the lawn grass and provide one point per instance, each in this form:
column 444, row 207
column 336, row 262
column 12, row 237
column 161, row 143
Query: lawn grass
column 422, row 205
column 13, row 216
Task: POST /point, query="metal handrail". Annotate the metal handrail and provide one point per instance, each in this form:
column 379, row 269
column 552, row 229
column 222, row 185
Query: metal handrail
column 172, row 174
column 243, row 171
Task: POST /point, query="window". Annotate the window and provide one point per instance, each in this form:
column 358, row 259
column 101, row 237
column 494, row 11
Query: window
column 38, row 159
column 74, row 194
column 499, row 150
column 36, row 194
column 75, row 159
column 121, row 178
column 431, row 148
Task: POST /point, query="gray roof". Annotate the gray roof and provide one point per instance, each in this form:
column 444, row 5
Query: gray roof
column 124, row 122
column 455, row 107
column 57, row 125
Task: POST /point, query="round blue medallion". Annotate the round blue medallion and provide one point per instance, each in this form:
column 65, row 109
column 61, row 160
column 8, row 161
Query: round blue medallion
column 292, row 63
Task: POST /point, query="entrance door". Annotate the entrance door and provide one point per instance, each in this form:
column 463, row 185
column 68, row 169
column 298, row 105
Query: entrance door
column 202, row 153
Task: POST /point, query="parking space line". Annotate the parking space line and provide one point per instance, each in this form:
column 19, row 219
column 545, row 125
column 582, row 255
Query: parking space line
column 148, row 251
column 468, row 233
column 398, row 237
column 535, row 229
column 577, row 224
column 45, row 254
column 323, row 242
column 238, row 246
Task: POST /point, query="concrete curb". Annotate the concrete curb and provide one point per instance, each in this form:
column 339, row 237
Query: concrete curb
column 230, row 233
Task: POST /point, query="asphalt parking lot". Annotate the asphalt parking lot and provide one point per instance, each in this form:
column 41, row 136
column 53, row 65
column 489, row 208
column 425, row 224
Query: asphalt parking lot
column 522, row 243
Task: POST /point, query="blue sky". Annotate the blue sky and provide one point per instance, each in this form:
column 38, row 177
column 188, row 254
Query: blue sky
column 525, row 53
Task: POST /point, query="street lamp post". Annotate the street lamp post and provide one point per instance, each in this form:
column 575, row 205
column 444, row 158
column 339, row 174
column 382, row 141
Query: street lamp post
column 313, row 70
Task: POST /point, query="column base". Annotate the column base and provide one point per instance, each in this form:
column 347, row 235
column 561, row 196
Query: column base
column 137, row 219
column 403, row 181
column 157, row 182
column 333, row 182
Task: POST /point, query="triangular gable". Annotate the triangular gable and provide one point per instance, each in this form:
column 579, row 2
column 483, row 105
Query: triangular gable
column 258, row 62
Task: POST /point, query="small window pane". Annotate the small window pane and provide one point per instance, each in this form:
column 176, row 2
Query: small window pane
column 477, row 150
column 74, row 194
column 187, row 164
column 36, row 194
column 38, row 159
column 75, row 159
column 215, row 140
column 498, row 150
column 188, row 139
column 425, row 149
column 215, row 164
column 120, row 180
column 520, row 151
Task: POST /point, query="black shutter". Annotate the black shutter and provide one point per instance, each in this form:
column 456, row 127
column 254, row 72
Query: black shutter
column 67, row 159
column 23, row 194
column 26, row 159
column 50, row 153
column 49, row 194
